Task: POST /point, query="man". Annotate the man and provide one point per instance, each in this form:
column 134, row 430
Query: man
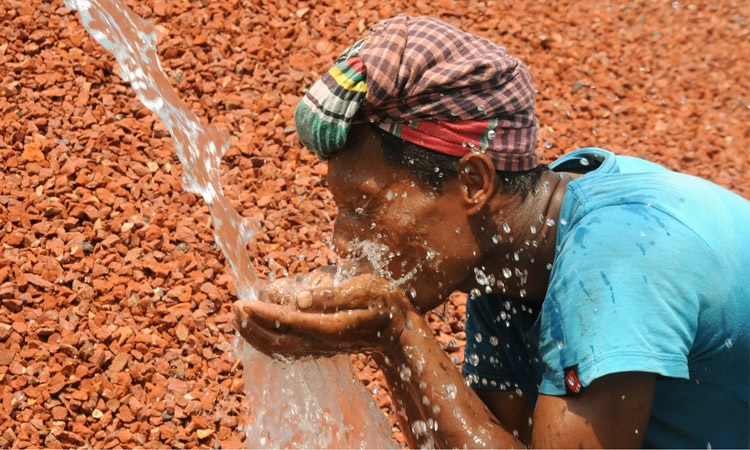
column 609, row 298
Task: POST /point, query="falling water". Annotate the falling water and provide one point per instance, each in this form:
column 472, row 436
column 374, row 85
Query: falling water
column 304, row 404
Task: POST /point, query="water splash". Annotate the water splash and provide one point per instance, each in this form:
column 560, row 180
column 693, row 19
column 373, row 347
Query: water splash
column 199, row 147
column 292, row 404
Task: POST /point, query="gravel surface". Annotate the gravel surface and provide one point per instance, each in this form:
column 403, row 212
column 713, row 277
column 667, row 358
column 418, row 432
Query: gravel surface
column 115, row 324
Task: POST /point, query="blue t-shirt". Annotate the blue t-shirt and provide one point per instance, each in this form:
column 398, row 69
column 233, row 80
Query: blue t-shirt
column 651, row 274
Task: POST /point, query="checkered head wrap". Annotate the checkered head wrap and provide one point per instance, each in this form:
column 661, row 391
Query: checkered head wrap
column 431, row 84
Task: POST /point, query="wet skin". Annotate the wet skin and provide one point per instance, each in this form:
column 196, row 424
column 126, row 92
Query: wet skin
column 438, row 240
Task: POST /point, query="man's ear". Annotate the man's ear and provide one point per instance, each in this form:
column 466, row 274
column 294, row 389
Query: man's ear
column 477, row 175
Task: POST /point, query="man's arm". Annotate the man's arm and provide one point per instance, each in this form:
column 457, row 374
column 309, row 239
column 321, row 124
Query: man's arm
column 437, row 408
column 434, row 404
column 512, row 410
column 612, row 412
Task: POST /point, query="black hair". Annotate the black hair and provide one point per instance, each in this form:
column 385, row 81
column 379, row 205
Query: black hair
column 434, row 168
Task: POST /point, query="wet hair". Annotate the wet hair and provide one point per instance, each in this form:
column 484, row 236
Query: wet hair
column 435, row 168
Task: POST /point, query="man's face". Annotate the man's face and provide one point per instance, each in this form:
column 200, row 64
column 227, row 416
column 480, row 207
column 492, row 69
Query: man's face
column 410, row 234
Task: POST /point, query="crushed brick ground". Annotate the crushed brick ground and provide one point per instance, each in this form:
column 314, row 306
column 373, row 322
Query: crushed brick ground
column 115, row 325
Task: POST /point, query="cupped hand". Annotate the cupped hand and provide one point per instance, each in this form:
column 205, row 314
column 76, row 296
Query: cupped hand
column 362, row 314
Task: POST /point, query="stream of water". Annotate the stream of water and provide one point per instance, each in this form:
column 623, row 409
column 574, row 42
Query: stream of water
column 316, row 403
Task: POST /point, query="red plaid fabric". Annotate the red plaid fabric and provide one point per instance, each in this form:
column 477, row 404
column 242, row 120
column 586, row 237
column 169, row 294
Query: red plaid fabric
column 453, row 92
column 430, row 84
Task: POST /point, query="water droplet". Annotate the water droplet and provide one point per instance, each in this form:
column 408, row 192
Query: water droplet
column 507, row 273
column 451, row 391
column 491, row 134
column 478, row 337
column 583, row 161
column 532, row 228
column 495, row 239
column 548, row 144
column 458, row 230
column 550, row 222
column 506, row 228
column 494, row 340
column 728, row 343
column 419, row 428
column 483, row 278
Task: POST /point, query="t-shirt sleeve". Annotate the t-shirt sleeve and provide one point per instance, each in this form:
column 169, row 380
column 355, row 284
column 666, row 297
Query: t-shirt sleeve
column 623, row 297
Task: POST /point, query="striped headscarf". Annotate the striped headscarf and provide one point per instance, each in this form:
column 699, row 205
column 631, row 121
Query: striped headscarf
column 431, row 84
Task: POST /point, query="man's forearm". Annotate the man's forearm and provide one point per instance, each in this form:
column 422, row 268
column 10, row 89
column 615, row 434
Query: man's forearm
column 435, row 406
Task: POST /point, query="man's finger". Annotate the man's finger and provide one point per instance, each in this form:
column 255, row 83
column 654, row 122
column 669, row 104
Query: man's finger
column 357, row 293
column 282, row 291
column 274, row 343
column 316, row 326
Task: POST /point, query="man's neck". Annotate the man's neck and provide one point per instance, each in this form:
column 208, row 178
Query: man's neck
column 525, row 263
